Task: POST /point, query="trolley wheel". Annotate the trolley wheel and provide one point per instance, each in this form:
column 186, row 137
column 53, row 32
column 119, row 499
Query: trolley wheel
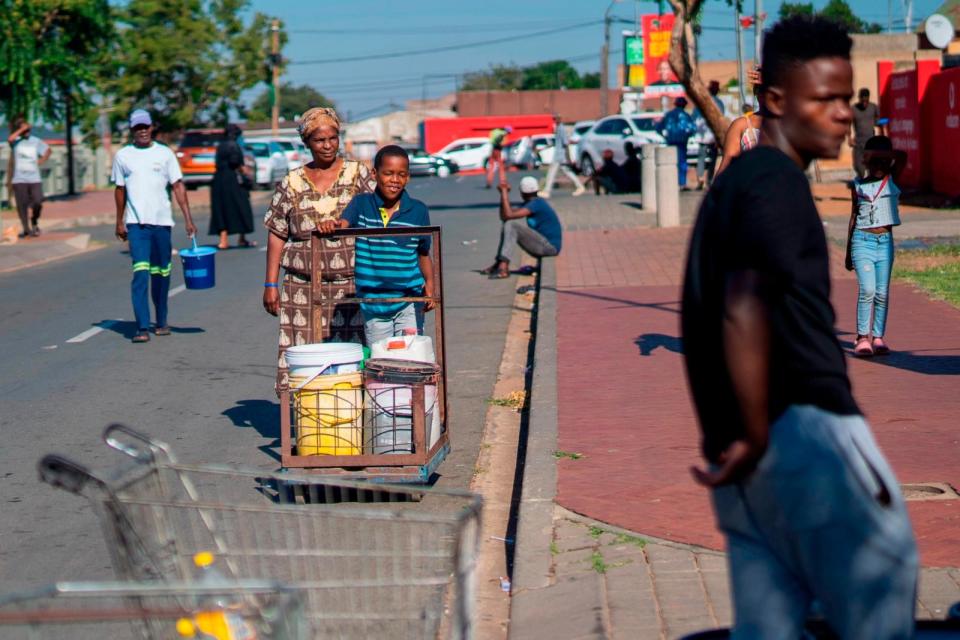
column 299, row 494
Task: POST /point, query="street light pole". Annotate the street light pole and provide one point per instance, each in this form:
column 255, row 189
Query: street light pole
column 605, row 61
column 275, row 60
column 757, row 31
column 741, row 80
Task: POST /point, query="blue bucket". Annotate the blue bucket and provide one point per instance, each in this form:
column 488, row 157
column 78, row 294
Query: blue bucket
column 199, row 267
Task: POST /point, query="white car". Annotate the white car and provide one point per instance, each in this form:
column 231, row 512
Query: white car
column 611, row 133
column 532, row 151
column 579, row 128
column 271, row 162
column 468, row 153
column 295, row 151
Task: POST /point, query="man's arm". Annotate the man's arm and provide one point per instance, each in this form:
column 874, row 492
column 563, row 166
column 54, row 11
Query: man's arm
column 180, row 193
column 746, row 346
column 426, row 268
column 16, row 134
column 120, row 200
column 45, row 156
column 507, row 212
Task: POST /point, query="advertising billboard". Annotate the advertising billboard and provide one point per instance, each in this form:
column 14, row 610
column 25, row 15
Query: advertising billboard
column 660, row 79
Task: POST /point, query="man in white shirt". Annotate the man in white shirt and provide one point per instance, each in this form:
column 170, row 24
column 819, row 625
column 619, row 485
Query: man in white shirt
column 142, row 172
column 29, row 152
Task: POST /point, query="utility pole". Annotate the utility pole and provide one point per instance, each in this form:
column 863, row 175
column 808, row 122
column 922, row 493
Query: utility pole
column 889, row 16
column 275, row 64
column 605, row 61
column 741, row 79
column 908, row 15
column 71, row 187
column 757, row 31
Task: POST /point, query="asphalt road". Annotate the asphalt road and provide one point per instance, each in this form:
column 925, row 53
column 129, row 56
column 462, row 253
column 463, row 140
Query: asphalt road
column 207, row 389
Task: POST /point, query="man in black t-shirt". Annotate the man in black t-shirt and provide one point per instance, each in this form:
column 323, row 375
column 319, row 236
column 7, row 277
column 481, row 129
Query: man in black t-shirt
column 808, row 504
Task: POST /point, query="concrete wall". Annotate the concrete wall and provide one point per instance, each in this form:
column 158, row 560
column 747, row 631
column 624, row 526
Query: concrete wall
column 90, row 170
column 571, row 104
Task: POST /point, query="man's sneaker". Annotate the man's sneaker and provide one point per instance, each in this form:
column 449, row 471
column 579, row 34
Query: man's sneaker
column 35, row 232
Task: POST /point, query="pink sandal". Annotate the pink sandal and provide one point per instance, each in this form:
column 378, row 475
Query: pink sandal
column 863, row 348
column 880, row 347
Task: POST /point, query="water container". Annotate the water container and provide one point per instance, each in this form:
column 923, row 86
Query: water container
column 308, row 360
column 414, row 347
column 389, row 387
column 327, row 414
column 199, row 267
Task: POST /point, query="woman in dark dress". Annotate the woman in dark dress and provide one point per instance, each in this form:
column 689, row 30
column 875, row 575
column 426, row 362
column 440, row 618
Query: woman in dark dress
column 230, row 210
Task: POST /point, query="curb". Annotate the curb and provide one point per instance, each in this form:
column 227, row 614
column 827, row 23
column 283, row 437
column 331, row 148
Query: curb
column 532, row 559
column 39, row 254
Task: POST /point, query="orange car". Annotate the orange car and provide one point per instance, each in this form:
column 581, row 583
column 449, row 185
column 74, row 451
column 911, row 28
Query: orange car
column 196, row 154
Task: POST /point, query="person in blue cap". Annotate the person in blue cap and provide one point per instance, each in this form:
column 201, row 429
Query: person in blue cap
column 142, row 171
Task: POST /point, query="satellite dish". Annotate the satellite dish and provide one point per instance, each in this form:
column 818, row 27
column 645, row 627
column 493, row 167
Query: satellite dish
column 939, row 30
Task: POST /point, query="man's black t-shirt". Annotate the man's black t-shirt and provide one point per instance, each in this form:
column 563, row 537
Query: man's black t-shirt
column 760, row 216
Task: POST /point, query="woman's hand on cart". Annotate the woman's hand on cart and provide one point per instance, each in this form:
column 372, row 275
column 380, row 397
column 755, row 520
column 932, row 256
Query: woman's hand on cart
column 327, row 227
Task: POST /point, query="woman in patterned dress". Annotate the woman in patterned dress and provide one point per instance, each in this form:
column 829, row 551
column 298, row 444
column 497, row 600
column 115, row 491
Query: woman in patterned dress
column 317, row 191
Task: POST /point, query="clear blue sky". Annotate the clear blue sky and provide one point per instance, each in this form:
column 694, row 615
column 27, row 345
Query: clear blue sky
column 345, row 29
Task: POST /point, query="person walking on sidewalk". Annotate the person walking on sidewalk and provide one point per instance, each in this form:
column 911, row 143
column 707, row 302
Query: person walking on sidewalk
column 142, row 171
column 495, row 162
column 230, row 210
column 29, row 153
column 809, row 505
column 535, row 228
column 875, row 212
column 676, row 128
column 560, row 161
column 866, row 116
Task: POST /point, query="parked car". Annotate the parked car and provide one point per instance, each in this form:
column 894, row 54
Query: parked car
column 579, row 128
column 196, row 154
column 271, row 162
column 468, row 153
column 294, row 150
column 611, row 133
column 532, row 151
column 424, row 164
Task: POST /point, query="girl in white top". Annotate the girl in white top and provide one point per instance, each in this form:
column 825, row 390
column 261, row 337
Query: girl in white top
column 874, row 213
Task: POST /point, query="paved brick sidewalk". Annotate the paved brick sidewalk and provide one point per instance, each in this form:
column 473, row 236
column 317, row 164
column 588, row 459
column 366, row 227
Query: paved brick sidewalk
column 624, row 410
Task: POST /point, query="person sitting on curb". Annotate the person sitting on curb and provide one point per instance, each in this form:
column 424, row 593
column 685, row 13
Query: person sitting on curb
column 610, row 176
column 540, row 236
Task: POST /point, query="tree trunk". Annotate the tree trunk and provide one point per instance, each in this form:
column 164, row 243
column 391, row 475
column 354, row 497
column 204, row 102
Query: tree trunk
column 683, row 61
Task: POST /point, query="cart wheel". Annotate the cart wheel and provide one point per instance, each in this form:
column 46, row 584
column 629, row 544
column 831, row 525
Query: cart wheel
column 416, row 497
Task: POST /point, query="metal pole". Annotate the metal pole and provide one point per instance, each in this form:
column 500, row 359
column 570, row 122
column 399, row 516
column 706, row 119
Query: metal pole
column 275, row 59
column 757, row 31
column 71, row 187
column 889, row 16
column 605, row 64
column 741, row 80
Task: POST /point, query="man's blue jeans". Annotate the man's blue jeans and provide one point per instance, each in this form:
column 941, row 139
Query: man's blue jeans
column 681, row 163
column 821, row 519
column 872, row 255
column 150, row 251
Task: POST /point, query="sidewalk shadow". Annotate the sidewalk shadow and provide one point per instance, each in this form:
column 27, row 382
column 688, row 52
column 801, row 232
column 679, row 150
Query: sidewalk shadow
column 931, row 365
column 648, row 342
column 262, row 415
column 672, row 306
column 128, row 328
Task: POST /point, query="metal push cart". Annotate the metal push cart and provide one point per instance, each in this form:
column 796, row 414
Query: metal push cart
column 354, row 454
column 153, row 611
column 392, row 569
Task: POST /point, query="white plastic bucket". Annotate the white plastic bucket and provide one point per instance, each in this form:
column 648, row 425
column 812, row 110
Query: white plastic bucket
column 325, row 358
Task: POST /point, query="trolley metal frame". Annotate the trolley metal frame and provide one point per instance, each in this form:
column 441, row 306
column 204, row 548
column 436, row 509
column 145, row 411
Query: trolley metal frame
column 416, row 467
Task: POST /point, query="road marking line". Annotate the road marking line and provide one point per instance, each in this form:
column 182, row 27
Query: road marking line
column 176, row 291
column 459, row 179
column 92, row 331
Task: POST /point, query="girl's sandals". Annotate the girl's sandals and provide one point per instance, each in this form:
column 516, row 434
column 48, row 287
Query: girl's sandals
column 880, row 347
column 162, row 331
column 141, row 337
column 863, row 348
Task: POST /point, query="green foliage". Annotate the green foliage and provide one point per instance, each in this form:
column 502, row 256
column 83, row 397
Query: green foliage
column 553, row 74
column 187, row 61
column 836, row 10
column 50, row 49
column 940, row 278
column 293, row 102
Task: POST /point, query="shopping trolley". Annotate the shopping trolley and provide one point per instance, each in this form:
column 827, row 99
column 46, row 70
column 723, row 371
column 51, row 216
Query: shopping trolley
column 397, row 569
column 154, row 611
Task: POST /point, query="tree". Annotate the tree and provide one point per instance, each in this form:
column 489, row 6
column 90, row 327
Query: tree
column 552, row 74
column 49, row 54
column 293, row 102
column 836, row 10
column 187, row 61
column 791, row 9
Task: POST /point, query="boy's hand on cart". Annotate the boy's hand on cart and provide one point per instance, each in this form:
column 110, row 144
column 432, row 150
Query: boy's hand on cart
column 428, row 290
column 121, row 231
column 327, row 227
column 271, row 300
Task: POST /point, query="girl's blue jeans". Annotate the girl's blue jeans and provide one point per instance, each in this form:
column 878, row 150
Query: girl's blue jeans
column 872, row 255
